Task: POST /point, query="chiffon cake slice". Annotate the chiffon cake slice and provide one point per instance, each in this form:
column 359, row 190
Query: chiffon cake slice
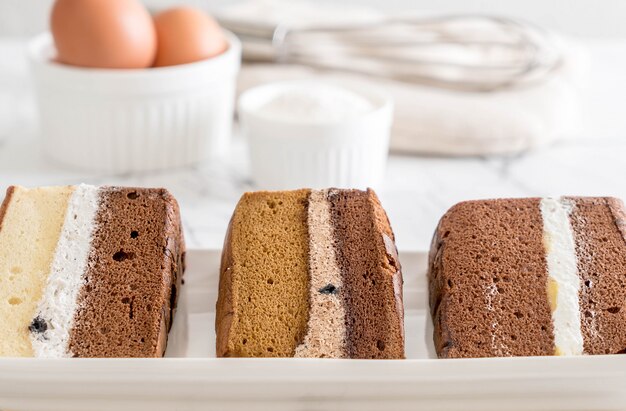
column 527, row 277
column 310, row 273
column 88, row 271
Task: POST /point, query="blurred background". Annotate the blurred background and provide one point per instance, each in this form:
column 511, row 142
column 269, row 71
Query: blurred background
column 557, row 128
column 603, row 19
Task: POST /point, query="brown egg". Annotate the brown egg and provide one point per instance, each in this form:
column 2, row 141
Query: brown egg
column 103, row 33
column 185, row 35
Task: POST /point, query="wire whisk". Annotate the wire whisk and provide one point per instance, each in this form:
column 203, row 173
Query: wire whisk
column 460, row 52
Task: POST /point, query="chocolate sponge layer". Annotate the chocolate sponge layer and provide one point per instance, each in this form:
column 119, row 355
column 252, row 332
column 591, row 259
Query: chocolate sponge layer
column 601, row 249
column 371, row 275
column 487, row 278
column 133, row 277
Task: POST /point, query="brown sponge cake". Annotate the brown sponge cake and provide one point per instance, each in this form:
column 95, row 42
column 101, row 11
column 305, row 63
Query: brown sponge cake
column 310, row 273
column 135, row 270
column 537, row 276
column 263, row 292
column 88, row 271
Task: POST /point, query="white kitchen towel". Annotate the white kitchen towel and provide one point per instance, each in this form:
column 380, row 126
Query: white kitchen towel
column 443, row 121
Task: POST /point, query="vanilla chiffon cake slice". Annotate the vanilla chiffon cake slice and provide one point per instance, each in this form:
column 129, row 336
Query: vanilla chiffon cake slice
column 88, row 271
column 310, row 273
column 526, row 277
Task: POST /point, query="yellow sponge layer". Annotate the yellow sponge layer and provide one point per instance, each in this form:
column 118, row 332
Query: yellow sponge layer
column 267, row 254
column 29, row 233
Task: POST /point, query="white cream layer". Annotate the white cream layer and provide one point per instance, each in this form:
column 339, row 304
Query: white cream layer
column 59, row 301
column 563, row 281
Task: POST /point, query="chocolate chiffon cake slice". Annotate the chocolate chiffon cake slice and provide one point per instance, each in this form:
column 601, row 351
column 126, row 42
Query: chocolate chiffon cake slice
column 310, row 273
column 526, row 277
column 88, row 271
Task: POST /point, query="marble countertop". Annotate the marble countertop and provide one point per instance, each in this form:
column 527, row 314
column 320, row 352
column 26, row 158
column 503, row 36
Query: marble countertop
column 417, row 190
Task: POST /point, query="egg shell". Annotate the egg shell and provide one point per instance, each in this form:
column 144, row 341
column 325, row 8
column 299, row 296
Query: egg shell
column 103, row 33
column 186, row 35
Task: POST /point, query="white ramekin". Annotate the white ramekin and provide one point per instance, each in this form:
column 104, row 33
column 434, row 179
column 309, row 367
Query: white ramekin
column 350, row 153
column 134, row 120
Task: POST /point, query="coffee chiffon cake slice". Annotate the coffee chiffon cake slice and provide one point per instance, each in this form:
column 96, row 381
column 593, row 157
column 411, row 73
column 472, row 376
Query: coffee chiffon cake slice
column 88, row 271
column 527, row 277
column 310, row 273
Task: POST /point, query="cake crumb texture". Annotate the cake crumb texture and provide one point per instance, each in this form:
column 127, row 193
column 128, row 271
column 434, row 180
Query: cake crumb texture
column 488, row 281
column 263, row 304
column 126, row 305
column 30, row 225
column 326, row 333
column 372, row 275
column 601, row 248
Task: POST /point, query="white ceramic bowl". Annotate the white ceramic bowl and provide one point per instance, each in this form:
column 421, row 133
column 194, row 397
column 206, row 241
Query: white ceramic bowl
column 134, row 120
column 349, row 153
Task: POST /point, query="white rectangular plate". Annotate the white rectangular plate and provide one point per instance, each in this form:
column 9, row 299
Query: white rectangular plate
column 192, row 379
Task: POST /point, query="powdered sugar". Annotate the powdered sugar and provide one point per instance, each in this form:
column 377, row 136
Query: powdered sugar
column 315, row 103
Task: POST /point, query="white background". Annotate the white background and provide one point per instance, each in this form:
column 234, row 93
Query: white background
column 585, row 18
column 417, row 189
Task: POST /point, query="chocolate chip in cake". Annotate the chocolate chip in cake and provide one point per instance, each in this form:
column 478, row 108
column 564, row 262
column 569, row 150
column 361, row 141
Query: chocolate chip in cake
column 38, row 325
column 329, row 289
